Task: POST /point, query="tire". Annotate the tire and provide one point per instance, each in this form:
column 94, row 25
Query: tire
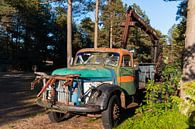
column 111, row 116
column 58, row 117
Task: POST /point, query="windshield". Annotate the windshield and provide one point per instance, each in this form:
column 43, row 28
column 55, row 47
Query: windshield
column 105, row 58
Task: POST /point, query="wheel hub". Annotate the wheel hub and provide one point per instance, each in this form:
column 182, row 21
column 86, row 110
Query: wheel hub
column 116, row 112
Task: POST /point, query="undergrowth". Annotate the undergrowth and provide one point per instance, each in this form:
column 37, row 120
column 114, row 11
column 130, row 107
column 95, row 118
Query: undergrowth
column 162, row 108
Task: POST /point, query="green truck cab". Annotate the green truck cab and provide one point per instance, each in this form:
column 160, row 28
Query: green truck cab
column 101, row 81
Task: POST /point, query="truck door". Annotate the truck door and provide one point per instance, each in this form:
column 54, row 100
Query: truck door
column 127, row 75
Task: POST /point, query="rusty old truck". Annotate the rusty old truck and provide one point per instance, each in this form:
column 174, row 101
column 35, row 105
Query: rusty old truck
column 101, row 81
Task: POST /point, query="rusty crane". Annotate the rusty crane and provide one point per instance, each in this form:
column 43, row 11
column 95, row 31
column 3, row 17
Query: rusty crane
column 134, row 20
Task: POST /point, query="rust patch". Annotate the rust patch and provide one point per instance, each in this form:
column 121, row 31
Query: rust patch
column 52, row 79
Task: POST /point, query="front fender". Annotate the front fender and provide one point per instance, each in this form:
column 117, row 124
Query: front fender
column 106, row 91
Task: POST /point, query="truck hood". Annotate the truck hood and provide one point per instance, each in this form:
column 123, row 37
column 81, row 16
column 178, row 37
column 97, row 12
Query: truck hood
column 86, row 72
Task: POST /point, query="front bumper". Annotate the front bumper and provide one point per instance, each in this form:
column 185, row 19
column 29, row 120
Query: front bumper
column 69, row 108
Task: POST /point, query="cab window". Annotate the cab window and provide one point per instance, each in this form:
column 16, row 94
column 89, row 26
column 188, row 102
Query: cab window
column 126, row 61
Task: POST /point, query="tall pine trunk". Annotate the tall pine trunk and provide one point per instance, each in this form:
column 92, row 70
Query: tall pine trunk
column 96, row 24
column 111, row 25
column 69, row 33
column 189, row 59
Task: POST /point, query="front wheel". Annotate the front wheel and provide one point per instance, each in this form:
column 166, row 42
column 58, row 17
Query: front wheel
column 111, row 116
column 58, row 117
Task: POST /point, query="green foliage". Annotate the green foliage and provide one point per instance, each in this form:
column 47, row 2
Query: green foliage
column 189, row 89
column 174, row 51
column 112, row 15
column 187, row 106
column 5, row 9
column 33, row 31
column 5, row 18
column 86, row 28
column 24, row 30
column 161, row 108
column 159, row 120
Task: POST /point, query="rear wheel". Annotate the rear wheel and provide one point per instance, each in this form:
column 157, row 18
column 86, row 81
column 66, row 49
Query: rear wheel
column 111, row 116
column 57, row 117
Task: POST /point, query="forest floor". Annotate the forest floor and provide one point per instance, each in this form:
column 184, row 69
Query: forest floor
column 19, row 111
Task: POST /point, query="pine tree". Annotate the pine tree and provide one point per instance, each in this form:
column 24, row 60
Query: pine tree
column 86, row 28
column 112, row 16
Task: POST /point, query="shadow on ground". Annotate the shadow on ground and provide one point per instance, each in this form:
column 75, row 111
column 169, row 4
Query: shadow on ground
column 17, row 101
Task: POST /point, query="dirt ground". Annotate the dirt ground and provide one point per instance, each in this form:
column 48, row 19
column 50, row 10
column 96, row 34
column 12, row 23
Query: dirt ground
column 19, row 111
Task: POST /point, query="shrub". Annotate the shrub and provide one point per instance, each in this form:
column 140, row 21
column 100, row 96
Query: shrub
column 187, row 105
column 171, row 119
column 161, row 110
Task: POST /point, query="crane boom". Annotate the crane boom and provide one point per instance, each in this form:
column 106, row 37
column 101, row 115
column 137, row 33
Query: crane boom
column 132, row 20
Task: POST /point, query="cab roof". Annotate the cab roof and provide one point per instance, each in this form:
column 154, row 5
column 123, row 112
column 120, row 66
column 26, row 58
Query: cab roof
column 117, row 50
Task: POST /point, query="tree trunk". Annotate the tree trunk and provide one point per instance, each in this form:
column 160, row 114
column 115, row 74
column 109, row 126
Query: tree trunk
column 189, row 59
column 111, row 33
column 69, row 33
column 111, row 25
column 96, row 24
column 2, row 2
